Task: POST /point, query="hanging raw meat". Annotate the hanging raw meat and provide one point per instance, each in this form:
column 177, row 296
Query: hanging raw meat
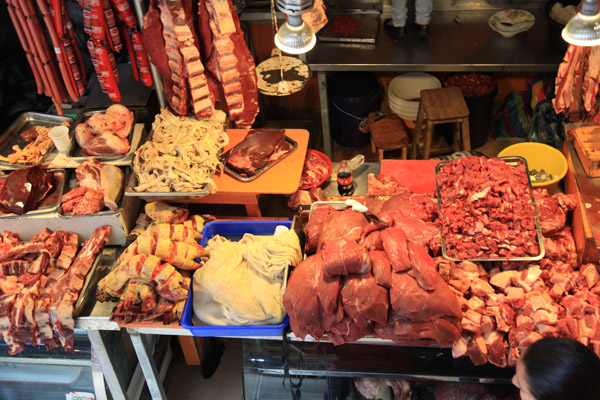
column 203, row 66
column 577, row 84
column 231, row 62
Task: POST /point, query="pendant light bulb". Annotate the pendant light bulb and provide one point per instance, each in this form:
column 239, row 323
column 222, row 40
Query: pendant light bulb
column 295, row 36
column 584, row 28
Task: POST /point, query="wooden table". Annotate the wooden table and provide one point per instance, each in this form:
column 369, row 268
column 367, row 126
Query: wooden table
column 282, row 178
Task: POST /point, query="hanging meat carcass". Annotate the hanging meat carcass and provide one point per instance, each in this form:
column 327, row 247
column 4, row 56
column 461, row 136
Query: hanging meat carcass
column 203, row 66
column 577, row 84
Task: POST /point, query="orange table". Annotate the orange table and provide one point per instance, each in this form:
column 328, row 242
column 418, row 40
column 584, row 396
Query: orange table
column 282, row 178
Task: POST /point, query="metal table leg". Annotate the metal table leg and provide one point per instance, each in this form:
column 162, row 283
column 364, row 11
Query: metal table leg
column 98, row 378
column 112, row 380
column 144, row 355
column 321, row 75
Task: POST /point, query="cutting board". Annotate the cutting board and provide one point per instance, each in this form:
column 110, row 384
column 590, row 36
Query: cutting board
column 417, row 175
column 587, row 145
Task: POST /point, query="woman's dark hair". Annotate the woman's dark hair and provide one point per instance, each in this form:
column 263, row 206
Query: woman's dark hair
column 559, row 369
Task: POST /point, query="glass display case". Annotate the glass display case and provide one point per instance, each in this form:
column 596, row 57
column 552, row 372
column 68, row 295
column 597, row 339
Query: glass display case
column 37, row 373
column 281, row 369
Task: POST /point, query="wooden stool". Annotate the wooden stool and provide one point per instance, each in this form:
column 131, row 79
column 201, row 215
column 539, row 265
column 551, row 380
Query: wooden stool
column 388, row 133
column 442, row 106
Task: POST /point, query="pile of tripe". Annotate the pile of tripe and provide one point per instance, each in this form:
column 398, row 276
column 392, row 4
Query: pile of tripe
column 242, row 282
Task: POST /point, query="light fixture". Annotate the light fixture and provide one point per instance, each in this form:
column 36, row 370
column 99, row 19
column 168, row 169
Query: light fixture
column 295, row 36
column 584, row 28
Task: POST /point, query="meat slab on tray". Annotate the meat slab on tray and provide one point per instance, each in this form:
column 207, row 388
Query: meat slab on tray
column 40, row 283
column 403, row 290
column 106, row 133
column 25, row 189
column 259, row 149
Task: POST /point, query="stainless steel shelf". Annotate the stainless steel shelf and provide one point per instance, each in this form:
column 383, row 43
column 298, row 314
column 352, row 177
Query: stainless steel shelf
column 450, row 47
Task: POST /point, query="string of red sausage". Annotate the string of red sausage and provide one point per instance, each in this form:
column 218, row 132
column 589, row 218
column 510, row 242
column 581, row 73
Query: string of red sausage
column 100, row 23
column 62, row 75
column 56, row 76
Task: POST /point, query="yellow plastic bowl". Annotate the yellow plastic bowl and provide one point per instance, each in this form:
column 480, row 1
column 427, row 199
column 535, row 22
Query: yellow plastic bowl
column 540, row 156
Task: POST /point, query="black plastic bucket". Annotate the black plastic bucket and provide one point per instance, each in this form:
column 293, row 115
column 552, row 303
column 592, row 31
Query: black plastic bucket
column 480, row 117
column 352, row 96
column 480, row 114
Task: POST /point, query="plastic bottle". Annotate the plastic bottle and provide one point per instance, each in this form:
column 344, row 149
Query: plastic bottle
column 344, row 179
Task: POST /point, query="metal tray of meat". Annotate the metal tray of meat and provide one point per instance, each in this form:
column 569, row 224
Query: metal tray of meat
column 359, row 26
column 12, row 135
column 76, row 153
column 261, row 171
column 52, row 200
column 72, row 182
column 165, row 196
column 514, row 161
column 102, row 265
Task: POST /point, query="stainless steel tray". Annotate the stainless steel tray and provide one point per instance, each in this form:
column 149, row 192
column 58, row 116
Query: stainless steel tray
column 165, row 196
column 102, row 265
column 51, row 202
column 72, row 182
column 366, row 32
column 265, row 168
column 76, row 153
column 12, row 136
column 514, row 160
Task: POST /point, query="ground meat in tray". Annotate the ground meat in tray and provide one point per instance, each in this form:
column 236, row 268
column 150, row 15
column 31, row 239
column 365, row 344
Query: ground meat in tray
column 487, row 210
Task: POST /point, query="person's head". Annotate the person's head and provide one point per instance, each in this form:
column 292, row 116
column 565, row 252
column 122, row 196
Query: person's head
column 558, row 369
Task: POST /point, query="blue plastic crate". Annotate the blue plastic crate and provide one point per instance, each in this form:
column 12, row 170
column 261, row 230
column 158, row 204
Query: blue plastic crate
column 233, row 230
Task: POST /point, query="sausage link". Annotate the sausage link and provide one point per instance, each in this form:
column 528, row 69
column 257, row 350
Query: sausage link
column 125, row 12
column 108, row 77
column 111, row 25
column 141, row 58
column 129, row 45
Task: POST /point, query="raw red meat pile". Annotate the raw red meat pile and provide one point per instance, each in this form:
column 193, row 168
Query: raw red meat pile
column 486, row 209
column 366, row 279
column 343, row 25
column 40, row 283
column 315, row 170
column 202, row 58
column 472, row 84
column 342, row 291
column 577, row 84
column 508, row 306
column 385, row 186
column 373, row 388
column 99, row 185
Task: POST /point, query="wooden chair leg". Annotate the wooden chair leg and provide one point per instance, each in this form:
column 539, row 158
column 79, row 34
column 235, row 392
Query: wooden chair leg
column 457, row 143
column 380, row 155
column 428, row 136
column 373, row 149
column 404, row 152
column 466, row 135
column 419, row 122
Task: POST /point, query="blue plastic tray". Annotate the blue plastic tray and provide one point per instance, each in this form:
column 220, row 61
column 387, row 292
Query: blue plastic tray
column 233, row 230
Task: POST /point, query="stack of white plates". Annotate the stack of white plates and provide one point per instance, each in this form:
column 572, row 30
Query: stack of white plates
column 405, row 92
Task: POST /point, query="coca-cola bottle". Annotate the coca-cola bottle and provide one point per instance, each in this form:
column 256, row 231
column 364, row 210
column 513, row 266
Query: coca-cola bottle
column 344, row 179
